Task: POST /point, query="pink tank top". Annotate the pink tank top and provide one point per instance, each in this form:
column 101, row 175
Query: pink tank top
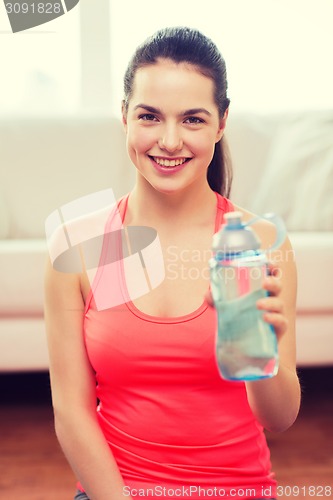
column 175, row 427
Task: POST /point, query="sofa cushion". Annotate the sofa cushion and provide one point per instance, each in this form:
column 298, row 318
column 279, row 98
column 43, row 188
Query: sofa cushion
column 23, row 345
column 249, row 138
column 52, row 161
column 4, row 217
column 22, row 265
column 314, row 344
column 297, row 182
column 314, row 260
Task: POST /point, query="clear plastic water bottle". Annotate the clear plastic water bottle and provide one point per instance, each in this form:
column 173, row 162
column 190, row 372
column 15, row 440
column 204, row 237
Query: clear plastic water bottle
column 246, row 345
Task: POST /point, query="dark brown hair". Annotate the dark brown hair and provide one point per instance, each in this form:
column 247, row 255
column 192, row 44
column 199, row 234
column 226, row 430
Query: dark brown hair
column 182, row 44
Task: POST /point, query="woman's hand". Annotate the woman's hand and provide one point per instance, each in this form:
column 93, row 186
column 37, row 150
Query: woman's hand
column 272, row 305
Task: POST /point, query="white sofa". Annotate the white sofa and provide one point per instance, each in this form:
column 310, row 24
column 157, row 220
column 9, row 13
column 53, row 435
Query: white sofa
column 45, row 163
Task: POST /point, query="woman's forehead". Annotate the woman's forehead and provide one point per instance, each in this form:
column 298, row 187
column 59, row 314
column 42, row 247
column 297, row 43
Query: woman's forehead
column 167, row 78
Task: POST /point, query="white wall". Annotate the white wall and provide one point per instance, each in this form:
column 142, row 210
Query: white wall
column 278, row 53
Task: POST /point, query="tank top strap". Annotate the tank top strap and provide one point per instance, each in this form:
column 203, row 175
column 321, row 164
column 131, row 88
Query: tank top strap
column 224, row 205
column 122, row 206
column 113, row 225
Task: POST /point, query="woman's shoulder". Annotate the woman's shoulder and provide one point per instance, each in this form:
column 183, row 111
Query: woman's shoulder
column 75, row 241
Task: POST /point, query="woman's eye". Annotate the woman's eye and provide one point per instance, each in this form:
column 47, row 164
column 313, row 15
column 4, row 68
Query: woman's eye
column 194, row 120
column 147, row 117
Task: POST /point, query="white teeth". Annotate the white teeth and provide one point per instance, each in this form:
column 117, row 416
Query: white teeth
column 169, row 163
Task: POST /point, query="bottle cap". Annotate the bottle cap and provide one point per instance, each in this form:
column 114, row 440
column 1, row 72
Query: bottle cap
column 233, row 219
column 235, row 236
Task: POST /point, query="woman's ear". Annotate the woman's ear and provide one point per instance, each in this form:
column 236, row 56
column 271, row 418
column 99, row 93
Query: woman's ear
column 124, row 114
column 222, row 125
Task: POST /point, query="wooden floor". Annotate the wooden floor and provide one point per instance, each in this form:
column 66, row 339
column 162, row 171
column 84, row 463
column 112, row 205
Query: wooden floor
column 32, row 466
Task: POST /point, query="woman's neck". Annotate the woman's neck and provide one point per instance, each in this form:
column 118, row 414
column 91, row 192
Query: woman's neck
column 151, row 207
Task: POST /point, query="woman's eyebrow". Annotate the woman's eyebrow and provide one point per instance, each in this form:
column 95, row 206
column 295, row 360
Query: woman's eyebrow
column 196, row 111
column 148, row 108
column 188, row 112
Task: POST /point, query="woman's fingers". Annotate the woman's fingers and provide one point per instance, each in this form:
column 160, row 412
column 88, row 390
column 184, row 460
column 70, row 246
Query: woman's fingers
column 278, row 321
column 271, row 306
column 273, row 285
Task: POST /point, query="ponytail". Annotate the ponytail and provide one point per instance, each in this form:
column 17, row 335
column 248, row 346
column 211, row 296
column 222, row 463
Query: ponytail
column 219, row 173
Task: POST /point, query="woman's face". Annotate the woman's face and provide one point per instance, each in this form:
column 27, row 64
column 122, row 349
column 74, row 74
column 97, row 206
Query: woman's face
column 172, row 124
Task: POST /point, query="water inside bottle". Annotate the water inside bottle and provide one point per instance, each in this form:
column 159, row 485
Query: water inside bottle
column 246, row 346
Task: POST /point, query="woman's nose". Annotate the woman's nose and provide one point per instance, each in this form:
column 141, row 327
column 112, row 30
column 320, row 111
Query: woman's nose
column 170, row 139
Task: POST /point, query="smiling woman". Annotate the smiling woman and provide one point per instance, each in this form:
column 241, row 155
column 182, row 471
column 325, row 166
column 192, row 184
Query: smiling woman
column 165, row 416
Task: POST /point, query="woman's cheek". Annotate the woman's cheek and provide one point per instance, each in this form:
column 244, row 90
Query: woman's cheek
column 142, row 139
column 203, row 142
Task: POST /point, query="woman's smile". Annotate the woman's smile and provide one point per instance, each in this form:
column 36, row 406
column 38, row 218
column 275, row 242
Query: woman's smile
column 165, row 162
column 168, row 166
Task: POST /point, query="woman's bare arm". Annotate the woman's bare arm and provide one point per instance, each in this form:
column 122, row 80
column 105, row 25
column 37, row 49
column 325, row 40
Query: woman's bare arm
column 276, row 401
column 73, row 389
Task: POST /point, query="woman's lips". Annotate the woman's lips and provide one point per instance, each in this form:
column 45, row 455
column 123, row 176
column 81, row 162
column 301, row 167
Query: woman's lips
column 168, row 165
